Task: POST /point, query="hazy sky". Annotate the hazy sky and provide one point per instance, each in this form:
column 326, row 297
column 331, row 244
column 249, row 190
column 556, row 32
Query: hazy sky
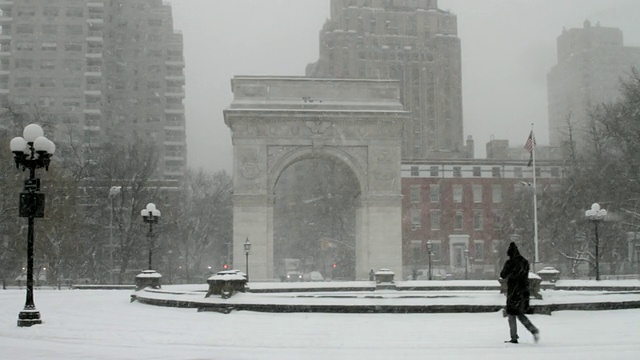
column 508, row 47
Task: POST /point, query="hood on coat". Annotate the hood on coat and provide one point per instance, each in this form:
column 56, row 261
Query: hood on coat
column 512, row 251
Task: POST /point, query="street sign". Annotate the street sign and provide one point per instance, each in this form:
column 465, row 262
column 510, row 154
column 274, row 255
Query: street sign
column 32, row 185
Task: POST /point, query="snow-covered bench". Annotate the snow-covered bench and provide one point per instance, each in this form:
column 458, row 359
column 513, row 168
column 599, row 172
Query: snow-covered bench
column 226, row 283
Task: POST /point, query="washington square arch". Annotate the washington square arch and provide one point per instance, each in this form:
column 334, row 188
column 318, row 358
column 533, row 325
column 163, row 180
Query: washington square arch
column 277, row 122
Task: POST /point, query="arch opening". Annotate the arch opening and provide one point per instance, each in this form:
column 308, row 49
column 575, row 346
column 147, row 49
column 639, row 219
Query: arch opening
column 315, row 224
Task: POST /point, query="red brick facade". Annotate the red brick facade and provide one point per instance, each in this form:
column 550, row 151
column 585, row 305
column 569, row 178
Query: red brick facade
column 455, row 205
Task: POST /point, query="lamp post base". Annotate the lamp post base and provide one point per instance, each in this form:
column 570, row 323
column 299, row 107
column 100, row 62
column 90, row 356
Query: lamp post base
column 29, row 317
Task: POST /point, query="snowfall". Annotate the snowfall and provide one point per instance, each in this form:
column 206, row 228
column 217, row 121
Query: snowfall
column 104, row 324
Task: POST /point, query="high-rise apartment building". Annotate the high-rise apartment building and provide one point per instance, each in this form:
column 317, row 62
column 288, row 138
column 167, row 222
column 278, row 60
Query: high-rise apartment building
column 413, row 42
column 107, row 70
column 591, row 62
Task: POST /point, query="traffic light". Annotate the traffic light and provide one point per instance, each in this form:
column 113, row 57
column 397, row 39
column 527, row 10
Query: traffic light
column 334, row 265
column 225, row 267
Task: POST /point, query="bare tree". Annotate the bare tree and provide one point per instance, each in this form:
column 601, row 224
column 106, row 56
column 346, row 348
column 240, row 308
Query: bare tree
column 204, row 223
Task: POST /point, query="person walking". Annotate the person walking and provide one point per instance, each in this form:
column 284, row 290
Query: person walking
column 516, row 273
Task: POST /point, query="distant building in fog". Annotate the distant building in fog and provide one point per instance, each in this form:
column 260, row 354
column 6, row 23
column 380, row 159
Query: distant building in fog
column 591, row 63
column 500, row 150
column 411, row 41
column 106, row 70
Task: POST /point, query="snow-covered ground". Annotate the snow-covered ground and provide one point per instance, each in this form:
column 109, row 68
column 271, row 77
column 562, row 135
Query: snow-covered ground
column 103, row 324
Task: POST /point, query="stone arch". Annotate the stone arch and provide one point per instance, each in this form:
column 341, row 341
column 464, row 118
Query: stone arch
column 277, row 121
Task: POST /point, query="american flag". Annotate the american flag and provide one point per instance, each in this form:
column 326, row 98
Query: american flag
column 530, row 143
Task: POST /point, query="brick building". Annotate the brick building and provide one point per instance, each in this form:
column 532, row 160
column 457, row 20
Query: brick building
column 457, row 205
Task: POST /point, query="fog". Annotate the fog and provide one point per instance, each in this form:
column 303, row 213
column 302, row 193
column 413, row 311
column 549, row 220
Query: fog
column 508, row 47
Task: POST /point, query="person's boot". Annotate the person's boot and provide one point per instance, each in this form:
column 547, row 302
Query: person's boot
column 513, row 341
column 536, row 336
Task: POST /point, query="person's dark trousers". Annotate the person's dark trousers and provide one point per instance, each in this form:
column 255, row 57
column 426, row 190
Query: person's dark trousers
column 513, row 326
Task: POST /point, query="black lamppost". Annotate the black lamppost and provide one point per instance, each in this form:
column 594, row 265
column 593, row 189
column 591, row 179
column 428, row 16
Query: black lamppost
column 466, row 263
column 596, row 215
column 429, row 247
column 247, row 249
column 113, row 192
column 150, row 215
column 415, row 246
column 31, row 152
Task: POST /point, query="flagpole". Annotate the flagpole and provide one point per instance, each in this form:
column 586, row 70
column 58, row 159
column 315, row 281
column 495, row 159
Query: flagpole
column 535, row 202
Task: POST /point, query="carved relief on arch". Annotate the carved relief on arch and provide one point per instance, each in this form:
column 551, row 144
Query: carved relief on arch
column 318, row 127
column 250, row 168
column 384, row 167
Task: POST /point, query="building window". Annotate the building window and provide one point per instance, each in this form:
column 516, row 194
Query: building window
column 71, row 83
column 457, row 193
column 46, row 101
column 71, row 103
column 495, row 214
column 436, row 250
column 436, row 219
column 24, row 45
column 458, row 220
column 414, row 194
column 49, row 29
column 24, row 29
column 415, row 171
column 476, row 171
column 495, row 171
column 22, row 100
column 517, row 172
column 478, row 250
column 477, row 219
column 555, row 172
column 477, row 193
column 26, row 64
column 26, row 11
column 434, row 193
column 72, row 46
column 416, row 219
column 49, row 46
column 538, row 172
column 496, row 193
column 48, row 65
column 22, row 82
column 72, row 64
column 47, row 83
column 457, row 171
column 433, row 171
column 73, row 29
column 50, row 11
column 75, row 12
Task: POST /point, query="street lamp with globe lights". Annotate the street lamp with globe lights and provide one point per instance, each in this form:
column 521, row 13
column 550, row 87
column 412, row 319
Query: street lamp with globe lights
column 247, row 249
column 30, row 152
column 150, row 215
column 596, row 215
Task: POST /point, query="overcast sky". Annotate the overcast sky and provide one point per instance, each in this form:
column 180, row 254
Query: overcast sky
column 508, row 47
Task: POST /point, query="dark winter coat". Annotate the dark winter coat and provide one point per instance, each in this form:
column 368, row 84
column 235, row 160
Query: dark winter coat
column 516, row 273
